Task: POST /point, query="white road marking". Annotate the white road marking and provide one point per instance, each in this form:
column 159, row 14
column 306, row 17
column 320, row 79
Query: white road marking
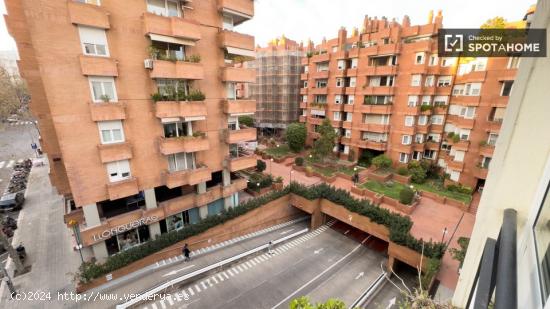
column 239, row 268
column 162, row 304
column 215, row 280
column 244, row 266
column 230, row 272
column 197, row 288
column 170, row 301
column 2, row 164
column 10, row 164
column 203, row 285
column 191, row 291
column 220, row 277
column 253, row 263
column 359, row 275
column 225, row 275
column 318, row 251
column 154, row 306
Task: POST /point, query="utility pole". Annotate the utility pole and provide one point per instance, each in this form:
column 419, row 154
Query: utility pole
column 12, row 253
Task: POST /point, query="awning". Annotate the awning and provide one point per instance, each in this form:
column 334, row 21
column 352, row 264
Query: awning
column 168, row 120
column 196, row 118
column 170, row 39
column 241, row 52
column 317, row 112
column 241, row 114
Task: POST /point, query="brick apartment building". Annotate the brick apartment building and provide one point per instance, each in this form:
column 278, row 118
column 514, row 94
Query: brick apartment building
column 131, row 164
column 277, row 86
column 385, row 90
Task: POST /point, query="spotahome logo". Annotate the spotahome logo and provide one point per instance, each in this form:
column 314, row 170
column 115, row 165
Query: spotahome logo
column 492, row 42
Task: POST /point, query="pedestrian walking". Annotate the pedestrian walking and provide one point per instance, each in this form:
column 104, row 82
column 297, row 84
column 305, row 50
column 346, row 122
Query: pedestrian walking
column 270, row 247
column 186, row 253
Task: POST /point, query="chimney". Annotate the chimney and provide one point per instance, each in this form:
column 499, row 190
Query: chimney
column 431, row 17
column 342, row 35
column 439, row 19
column 406, row 21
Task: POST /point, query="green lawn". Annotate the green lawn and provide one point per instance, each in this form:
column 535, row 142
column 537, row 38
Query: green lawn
column 330, row 171
column 388, row 190
column 431, row 187
column 278, row 152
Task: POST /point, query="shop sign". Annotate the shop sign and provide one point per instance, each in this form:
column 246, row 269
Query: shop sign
column 123, row 228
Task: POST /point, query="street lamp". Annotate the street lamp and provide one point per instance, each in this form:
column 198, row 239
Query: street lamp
column 74, row 224
column 444, row 232
column 291, row 172
column 270, row 165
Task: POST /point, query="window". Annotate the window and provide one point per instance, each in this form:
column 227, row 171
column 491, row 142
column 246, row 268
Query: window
column 426, row 100
column 354, row 62
column 351, row 99
column 305, row 84
column 228, row 22
column 338, row 99
column 337, row 116
column 459, row 156
column 472, row 89
column 94, row 41
column 444, row 81
column 454, row 175
column 339, row 82
column 437, row 119
column 440, row 100
column 409, row 121
column 406, row 139
column 403, row 157
column 349, row 117
column 429, row 81
column 103, row 89
column 416, row 80
column 111, row 132
column 433, row 60
column 352, row 81
column 334, row 49
column 164, row 7
column 321, row 83
column 434, row 137
column 485, row 162
column 168, row 51
column 118, row 170
column 422, row 120
column 341, row 65
column 347, row 133
column 429, row 154
column 413, row 101
column 320, row 98
column 419, row 58
column 506, row 88
column 177, row 129
column 468, row 112
column 513, row 63
column 322, row 66
column 464, row 134
column 419, row 138
column 492, row 140
column 458, row 90
column 181, row 161
column 304, row 98
column 447, row 62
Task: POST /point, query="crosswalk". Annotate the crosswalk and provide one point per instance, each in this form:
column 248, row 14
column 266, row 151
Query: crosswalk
column 21, row 123
column 196, row 288
column 10, row 163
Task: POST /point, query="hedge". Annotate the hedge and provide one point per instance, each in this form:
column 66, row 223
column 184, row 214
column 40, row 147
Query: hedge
column 398, row 225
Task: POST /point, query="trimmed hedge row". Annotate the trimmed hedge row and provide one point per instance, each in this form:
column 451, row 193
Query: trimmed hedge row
column 398, row 225
column 91, row 270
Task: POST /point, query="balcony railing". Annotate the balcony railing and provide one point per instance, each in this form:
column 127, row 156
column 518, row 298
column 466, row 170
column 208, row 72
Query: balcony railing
column 123, row 188
column 98, row 66
column 239, row 106
column 191, row 177
column 88, row 15
column 236, row 40
column 242, row 10
column 171, row 26
column 243, row 75
column 115, row 152
column 170, row 109
column 173, row 145
column 373, row 144
column 242, row 135
column 106, row 111
column 177, row 70
column 241, row 162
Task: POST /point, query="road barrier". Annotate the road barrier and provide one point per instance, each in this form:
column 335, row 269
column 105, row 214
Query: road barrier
column 369, row 292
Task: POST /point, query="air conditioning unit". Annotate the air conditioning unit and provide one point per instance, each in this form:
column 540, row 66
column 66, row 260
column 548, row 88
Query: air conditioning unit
column 148, row 63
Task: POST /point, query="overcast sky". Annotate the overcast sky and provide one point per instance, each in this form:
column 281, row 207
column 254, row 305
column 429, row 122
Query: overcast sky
column 303, row 19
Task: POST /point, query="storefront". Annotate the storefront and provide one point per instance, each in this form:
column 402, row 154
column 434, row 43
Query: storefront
column 127, row 239
column 180, row 220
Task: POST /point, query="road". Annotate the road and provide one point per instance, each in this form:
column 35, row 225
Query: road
column 322, row 264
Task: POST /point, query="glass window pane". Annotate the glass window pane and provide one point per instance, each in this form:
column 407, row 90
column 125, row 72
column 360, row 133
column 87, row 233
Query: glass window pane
column 117, row 135
column 173, row 8
column 98, row 92
column 101, row 49
column 109, row 90
column 542, row 242
column 89, row 49
column 106, row 136
column 172, row 163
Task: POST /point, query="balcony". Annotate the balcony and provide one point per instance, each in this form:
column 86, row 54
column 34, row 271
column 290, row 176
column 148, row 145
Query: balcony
column 319, row 75
column 171, row 109
column 379, row 90
column 171, row 26
column 472, row 77
column 432, row 145
column 320, row 58
column 236, row 39
column 304, row 76
column 302, row 118
column 98, row 66
column 456, row 166
column 388, row 49
column 231, row 107
column 114, row 152
column 381, row 70
column 374, row 145
column 507, row 75
column 494, row 125
column 374, row 127
column 461, row 145
column 241, row 10
column 187, row 177
column 499, row 101
column 173, row 145
column 323, row 90
column 465, row 100
column 348, row 108
column 487, row 151
column 375, row 108
column 177, row 70
column 231, row 74
column 236, row 185
column 480, row 172
column 303, row 91
column 242, row 135
column 105, row 111
column 88, row 15
column 402, row 148
column 123, row 188
column 242, row 162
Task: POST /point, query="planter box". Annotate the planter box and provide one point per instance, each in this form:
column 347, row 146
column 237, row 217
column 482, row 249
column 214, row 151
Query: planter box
column 298, row 168
column 407, row 255
column 379, row 177
column 357, row 190
column 408, row 209
column 433, row 196
column 462, row 206
column 258, row 193
column 402, row 179
column 277, row 186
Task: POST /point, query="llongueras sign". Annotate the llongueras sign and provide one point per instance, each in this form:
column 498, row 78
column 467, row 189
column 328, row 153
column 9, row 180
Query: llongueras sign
column 105, row 231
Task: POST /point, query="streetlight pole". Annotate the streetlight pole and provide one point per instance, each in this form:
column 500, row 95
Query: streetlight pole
column 444, row 232
column 76, row 231
column 270, row 166
column 291, row 172
column 9, row 283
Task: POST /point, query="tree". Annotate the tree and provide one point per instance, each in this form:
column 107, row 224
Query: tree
column 260, row 166
column 382, row 161
column 417, row 171
column 406, row 196
column 296, row 134
column 497, row 22
column 304, row 303
column 247, row 121
column 13, row 94
column 324, row 145
column 460, row 254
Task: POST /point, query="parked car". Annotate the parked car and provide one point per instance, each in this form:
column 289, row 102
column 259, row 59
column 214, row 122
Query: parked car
column 13, row 118
column 12, row 201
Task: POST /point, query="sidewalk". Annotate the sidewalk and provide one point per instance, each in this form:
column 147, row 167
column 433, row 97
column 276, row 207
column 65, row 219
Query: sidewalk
column 47, row 241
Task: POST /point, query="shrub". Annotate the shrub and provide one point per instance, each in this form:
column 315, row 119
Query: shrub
column 296, row 134
column 482, row 143
column 199, row 134
column 406, row 196
column 105, row 98
column 194, row 58
column 403, row 171
column 382, row 161
column 458, row 188
column 299, row 161
column 196, row 95
column 156, row 97
column 247, row 121
column 278, row 180
column 450, row 135
column 260, row 166
column 365, row 159
column 417, row 171
column 456, row 138
column 424, row 108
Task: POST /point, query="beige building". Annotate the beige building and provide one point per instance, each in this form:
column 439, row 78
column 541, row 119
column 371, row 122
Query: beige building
column 519, row 179
column 134, row 105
